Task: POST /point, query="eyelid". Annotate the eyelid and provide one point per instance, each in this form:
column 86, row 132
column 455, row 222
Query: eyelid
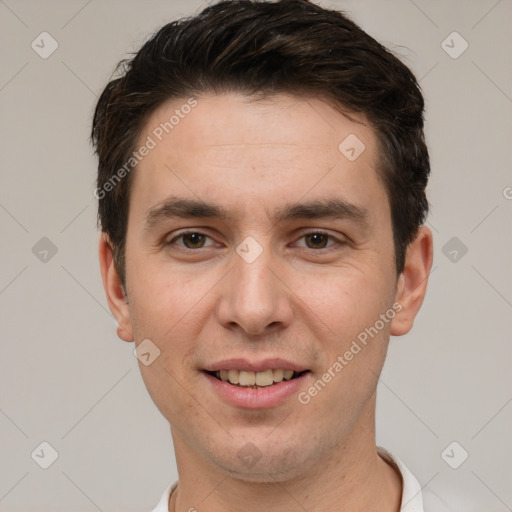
column 184, row 233
column 337, row 240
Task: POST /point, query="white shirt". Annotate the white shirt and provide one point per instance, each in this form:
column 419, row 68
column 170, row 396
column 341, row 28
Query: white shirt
column 412, row 496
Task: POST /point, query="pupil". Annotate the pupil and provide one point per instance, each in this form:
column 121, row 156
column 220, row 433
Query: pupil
column 317, row 239
column 194, row 238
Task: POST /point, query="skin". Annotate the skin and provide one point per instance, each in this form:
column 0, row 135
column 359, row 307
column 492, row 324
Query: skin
column 303, row 299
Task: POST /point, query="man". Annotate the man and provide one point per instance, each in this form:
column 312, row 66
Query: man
column 261, row 186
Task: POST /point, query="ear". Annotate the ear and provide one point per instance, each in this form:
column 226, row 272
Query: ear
column 117, row 300
column 412, row 282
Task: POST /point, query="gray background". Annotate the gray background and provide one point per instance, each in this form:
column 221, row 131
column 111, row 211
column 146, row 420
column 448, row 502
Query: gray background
column 66, row 379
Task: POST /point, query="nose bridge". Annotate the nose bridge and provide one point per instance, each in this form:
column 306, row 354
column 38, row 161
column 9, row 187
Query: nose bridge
column 252, row 296
column 254, row 279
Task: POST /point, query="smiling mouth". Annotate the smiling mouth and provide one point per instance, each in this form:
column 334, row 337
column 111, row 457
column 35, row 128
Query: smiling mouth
column 255, row 380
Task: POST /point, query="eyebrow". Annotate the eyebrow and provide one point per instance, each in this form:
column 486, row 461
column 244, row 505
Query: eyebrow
column 334, row 208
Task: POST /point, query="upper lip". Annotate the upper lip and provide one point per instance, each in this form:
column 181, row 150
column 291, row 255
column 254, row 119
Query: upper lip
column 255, row 366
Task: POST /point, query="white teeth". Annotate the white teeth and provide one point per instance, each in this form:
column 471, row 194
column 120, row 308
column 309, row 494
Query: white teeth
column 265, row 378
column 278, row 375
column 287, row 375
column 260, row 379
column 234, row 376
column 247, row 378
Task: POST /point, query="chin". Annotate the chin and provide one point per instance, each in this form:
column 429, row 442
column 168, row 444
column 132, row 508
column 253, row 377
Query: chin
column 270, row 464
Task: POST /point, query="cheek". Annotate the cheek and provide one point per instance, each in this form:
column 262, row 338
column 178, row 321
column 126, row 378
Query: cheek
column 168, row 389
column 348, row 300
column 170, row 309
column 164, row 298
column 351, row 307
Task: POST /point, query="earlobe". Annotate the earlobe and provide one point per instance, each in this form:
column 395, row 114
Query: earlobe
column 116, row 298
column 412, row 282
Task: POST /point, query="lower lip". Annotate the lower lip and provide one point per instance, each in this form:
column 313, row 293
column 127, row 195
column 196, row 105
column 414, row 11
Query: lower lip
column 263, row 398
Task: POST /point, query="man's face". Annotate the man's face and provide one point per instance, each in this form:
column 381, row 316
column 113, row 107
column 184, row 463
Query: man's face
column 256, row 291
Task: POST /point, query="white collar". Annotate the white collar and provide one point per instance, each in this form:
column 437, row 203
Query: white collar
column 412, row 500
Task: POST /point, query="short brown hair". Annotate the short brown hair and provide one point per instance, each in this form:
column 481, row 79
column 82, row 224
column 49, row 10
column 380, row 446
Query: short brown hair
column 262, row 48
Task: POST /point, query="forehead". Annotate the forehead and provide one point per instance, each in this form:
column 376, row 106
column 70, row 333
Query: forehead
column 237, row 149
column 231, row 119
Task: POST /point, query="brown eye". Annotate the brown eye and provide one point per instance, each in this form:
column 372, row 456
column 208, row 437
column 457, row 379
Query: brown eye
column 190, row 241
column 320, row 242
column 193, row 240
column 316, row 240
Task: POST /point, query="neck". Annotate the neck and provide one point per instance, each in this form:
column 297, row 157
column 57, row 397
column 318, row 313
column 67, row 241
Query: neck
column 352, row 474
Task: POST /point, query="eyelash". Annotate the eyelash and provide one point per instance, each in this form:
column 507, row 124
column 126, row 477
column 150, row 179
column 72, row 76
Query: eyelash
column 323, row 233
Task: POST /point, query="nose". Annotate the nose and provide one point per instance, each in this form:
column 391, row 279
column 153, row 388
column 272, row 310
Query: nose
column 254, row 297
